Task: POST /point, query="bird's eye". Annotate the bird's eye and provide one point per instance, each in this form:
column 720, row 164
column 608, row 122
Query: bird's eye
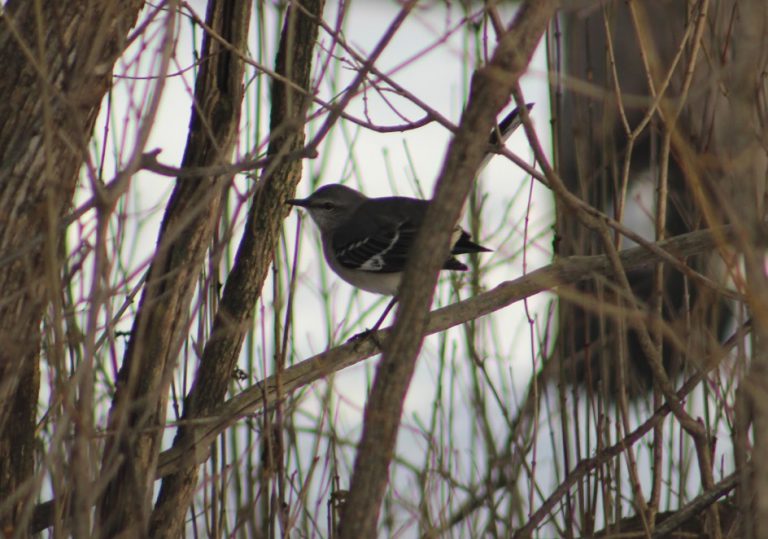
column 328, row 206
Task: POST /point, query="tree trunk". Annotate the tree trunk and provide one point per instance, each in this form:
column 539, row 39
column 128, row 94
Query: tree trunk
column 57, row 66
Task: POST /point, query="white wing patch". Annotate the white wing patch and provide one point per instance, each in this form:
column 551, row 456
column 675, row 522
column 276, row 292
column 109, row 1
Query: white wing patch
column 376, row 262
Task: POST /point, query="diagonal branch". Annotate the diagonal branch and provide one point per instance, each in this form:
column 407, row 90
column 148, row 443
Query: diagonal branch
column 566, row 271
column 490, row 89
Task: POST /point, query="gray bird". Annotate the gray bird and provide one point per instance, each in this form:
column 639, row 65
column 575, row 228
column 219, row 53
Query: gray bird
column 366, row 241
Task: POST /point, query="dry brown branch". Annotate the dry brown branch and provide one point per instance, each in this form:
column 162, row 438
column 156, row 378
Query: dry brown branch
column 254, row 256
column 149, row 162
column 687, row 521
column 587, row 465
column 564, row 272
column 160, row 326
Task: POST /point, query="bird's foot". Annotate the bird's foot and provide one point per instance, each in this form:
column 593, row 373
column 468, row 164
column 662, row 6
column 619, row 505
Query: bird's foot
column 360, row 337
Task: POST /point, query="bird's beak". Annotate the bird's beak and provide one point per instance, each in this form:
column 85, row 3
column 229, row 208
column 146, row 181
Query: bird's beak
column 301, row 202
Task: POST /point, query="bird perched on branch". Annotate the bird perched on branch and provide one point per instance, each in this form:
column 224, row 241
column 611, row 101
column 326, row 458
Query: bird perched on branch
column 367, row 241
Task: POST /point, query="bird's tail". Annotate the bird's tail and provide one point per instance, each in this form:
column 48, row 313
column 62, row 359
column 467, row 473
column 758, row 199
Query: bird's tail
column 465, row 245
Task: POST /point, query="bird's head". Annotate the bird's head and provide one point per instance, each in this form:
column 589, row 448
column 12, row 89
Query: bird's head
column 330, row 205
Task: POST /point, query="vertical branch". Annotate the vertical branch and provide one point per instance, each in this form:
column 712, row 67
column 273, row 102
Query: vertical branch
column 490, row 90
column 256, row 250
column 138, row 409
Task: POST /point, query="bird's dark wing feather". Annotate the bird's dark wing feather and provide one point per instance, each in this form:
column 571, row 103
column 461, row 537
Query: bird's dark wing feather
column 382, row 237
column 384, row 232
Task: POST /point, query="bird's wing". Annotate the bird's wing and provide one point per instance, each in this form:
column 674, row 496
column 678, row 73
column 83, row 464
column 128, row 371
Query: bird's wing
column 381, row 238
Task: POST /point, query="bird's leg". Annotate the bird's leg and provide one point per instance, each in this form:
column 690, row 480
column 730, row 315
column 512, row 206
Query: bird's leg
column 378, row 323
column 369, row 332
